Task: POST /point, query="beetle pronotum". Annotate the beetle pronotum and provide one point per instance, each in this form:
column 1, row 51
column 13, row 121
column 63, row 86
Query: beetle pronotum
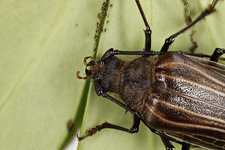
column 177, row 95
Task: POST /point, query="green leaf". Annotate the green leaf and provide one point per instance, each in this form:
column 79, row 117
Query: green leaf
column 43, row 44
column 42, row 47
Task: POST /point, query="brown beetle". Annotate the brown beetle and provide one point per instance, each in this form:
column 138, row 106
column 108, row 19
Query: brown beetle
column 177, row 95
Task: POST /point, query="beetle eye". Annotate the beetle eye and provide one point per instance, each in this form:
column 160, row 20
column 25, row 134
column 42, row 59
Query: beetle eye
column 91, row 63
column 88, row 72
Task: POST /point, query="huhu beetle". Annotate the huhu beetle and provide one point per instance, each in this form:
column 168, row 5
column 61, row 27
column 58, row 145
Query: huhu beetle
column 177, row 95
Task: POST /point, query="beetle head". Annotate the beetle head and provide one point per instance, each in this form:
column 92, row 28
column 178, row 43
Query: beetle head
column 104, row 73
column 88, row 72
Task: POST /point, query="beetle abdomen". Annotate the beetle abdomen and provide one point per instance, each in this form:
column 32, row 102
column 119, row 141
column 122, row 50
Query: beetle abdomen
column 189, row 103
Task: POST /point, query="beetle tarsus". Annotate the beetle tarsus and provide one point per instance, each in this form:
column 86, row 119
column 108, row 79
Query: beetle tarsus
column 92, row 131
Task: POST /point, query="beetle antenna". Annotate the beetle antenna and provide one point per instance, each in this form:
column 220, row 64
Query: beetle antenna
column 85, row 59
column 79, row 77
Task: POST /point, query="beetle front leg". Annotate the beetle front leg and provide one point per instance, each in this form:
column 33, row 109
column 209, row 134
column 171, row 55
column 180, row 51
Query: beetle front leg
column 133, row 129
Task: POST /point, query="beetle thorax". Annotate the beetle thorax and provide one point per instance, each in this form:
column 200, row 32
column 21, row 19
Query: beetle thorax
column 135, row 81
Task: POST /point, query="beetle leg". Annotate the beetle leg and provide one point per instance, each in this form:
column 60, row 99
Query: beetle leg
column 205, row 13
column 185, row 146
column 136, row 124
column 167, row 143
column 216, row 54
column 165, row 139
column 111, row 52
column 213, row 57
column 133, row 129
column 148, row 31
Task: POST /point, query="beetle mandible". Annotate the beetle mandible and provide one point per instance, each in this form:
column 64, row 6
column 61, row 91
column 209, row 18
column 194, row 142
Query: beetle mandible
column 177, row 95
